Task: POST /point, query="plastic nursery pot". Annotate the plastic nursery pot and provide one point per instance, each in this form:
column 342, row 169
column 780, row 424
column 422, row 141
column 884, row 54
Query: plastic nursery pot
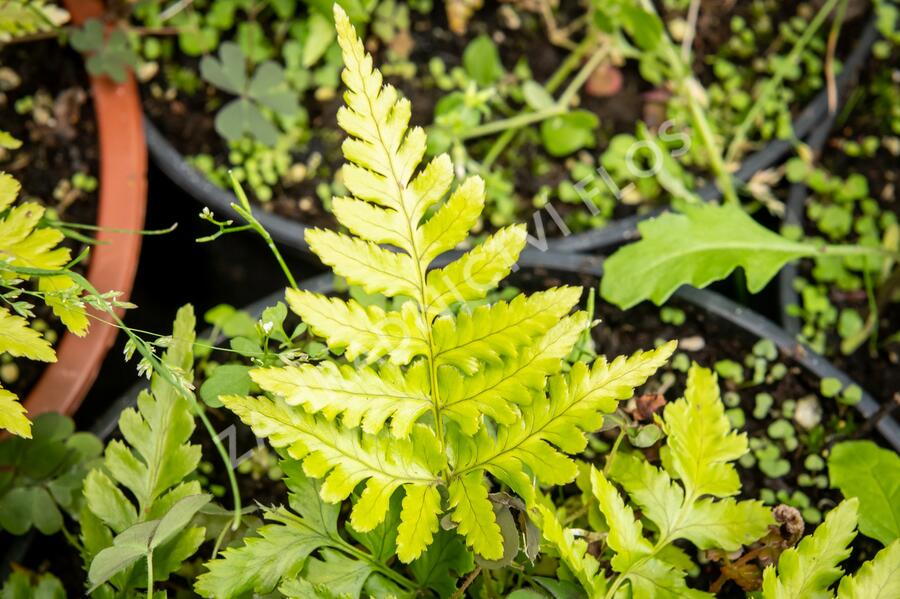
column 291, row 233
column 114, row 260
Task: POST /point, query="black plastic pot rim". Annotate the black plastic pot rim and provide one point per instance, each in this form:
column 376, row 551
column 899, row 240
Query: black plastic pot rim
column 292, row 233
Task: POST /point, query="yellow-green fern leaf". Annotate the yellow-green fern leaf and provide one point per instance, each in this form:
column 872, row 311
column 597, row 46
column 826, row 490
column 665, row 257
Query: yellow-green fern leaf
column 9, row 190
column 574, row 405
column 344, row 458
column 808, row 570
column 362, row 396
column 451, row 223
column 361, row 330
column 473, row 513
column 22, row 244
column 876, row 579
column 490, row 333
column 477, row 272
column 364, row 263
column 371, row 222
column 12, row 415
column 19, row 340
column 625, row 532
column 418, row 521
column 573, row 552
column 68, row 308
column 498, row 390
column 701, row 443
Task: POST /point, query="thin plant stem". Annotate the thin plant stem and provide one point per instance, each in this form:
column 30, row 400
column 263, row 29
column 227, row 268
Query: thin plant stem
column 466, row 583
column 778, row 76
column 831, row 48
column 246, row 213
column 150, row 574
column 561, row 106
column 688, row 41
column 158, row 366
column 612, row 452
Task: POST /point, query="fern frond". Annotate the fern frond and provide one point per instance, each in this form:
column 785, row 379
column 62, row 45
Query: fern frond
column 464, row 394
column 706, row 523
column 497, row 331
column 363, row 396
column 355, row 330
column 280, row 547
column 643, row 558
column 701, row 443
column 876, row 579
column 344, row 458
column 152, row 463
column 574, row 405
column 810, row 568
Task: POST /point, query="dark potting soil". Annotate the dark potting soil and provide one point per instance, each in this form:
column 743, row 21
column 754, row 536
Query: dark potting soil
column 59, row 139
column 188, row 120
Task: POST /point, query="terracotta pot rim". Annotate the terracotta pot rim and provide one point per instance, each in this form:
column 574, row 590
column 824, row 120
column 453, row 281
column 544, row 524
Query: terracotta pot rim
column 114, row 260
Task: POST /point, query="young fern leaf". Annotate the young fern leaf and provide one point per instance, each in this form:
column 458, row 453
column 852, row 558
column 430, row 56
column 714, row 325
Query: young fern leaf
column 418, row 419
column 152, row 465
column 691, row 512
column 573, row 552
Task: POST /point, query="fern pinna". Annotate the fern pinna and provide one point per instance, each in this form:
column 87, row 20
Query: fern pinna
column 425, row 399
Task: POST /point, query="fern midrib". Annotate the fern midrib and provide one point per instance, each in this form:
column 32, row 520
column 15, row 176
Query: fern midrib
column 414, row 253
column 499, row 332
column 534, row 432
column 664, row 541
column 314, row 433
column 155, row 467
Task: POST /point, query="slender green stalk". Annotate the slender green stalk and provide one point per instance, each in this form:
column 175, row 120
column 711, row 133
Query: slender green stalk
column 685, row 81
column 778, row 76
column 561, row 106
column 246, row 213
column 150, row 574
column 381, row 568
